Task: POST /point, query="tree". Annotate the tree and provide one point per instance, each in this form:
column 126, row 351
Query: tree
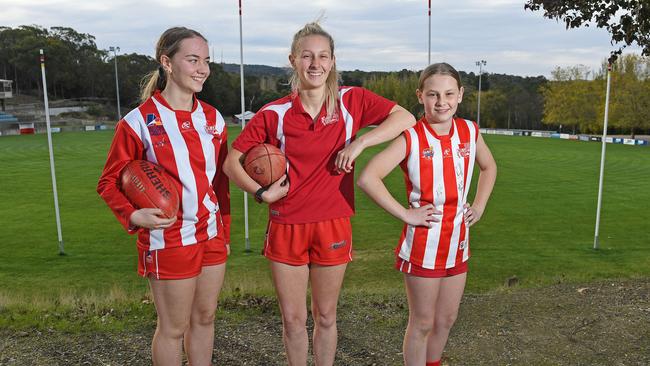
column 571, row 100
column 494, row 109
column 630, row 100
column 397, row 86
column 628, row 21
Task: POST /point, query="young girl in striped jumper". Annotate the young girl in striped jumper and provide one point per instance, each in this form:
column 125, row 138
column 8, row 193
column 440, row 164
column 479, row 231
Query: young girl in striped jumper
column 437, row 156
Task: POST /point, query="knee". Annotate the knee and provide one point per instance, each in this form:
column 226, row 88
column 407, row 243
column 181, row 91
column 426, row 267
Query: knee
column 325, row 319
column 203, row 316
column 421, row 325
column 444, row 322
column 172, row 329
column 294, row 322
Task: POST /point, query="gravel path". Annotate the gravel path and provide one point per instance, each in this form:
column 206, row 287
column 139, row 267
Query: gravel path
column 605, row 323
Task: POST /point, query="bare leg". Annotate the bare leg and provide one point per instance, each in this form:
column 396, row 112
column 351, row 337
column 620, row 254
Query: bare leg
column 449, row 296
column 173, row 300
column 326, row 284
column 422, row 296
column 291, row 287
column 199, row 337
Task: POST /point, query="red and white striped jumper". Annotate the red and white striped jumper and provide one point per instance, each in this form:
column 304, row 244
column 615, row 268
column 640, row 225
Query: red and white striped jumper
column 438, row 170
column 191, row 146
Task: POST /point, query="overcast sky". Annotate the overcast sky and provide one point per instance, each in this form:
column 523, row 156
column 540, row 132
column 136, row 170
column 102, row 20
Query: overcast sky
column 369, row 34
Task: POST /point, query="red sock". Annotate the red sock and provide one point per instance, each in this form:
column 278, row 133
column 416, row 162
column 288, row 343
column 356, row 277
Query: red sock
column 433, row 363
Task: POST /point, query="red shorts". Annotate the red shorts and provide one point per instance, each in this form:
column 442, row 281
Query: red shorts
column 181, row 262
column 327, row 243
column 415, row 270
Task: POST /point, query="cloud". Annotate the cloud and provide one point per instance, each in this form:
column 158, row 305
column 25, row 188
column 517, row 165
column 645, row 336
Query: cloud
column 369, row 34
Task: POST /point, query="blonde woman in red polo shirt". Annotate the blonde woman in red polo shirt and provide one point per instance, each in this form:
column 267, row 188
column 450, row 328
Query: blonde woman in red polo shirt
column 437, row 156
column 309, row 235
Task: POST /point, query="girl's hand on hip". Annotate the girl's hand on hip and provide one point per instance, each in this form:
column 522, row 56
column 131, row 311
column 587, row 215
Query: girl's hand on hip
column 422, row 216
column 472, row 214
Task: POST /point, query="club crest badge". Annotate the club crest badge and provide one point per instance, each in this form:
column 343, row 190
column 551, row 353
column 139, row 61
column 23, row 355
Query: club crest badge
column 427, row 153
column 212, row 130
column 463, row 150
column 328, row 120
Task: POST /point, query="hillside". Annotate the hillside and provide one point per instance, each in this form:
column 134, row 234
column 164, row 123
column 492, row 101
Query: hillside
column 256, row 70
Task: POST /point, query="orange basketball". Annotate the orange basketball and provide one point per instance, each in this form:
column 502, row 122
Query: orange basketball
column 265, row 164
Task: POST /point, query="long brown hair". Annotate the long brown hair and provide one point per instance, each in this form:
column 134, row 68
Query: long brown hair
column 332, row 82
column 168, row 44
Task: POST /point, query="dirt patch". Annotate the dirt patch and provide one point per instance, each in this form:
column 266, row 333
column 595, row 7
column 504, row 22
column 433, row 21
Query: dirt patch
column 605, row 323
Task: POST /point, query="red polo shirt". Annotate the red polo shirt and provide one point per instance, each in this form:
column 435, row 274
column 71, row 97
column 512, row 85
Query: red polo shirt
column 317, row 192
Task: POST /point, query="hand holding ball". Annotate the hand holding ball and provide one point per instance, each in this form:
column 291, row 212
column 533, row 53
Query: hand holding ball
column 265, row 164
column 146, row 185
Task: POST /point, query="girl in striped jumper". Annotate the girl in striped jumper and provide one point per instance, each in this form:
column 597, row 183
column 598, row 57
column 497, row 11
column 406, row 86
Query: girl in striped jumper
column 437, row 156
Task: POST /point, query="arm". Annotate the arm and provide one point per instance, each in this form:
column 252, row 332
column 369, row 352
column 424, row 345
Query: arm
column 126, row 146
column 487, row 177
column 221, row 186
column 234, row 169
column 371, row 182
column 398, row 120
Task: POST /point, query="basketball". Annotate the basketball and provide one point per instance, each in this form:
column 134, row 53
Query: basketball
column 265, row 164
column 146, row 185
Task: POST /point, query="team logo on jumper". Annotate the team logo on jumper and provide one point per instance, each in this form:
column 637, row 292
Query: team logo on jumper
column 427, row 153
column 463, row 245
column 212, row 130
column 153, row 120
column 186, row 125
column 463, row 150
column 328, row 120
column 338, row 244
column 155, row 125
column 446, row 153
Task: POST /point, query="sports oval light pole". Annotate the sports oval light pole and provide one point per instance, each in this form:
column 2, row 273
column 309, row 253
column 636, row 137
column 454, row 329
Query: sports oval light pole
column 115, row 50
column 480, row 65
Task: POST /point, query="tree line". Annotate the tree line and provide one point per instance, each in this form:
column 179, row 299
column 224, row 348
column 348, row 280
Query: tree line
column 507, row 101
column 76, row 68
column 575, row 97
column 573, row 100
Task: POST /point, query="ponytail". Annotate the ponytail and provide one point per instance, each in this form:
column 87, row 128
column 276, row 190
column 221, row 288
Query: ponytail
column 168, row 44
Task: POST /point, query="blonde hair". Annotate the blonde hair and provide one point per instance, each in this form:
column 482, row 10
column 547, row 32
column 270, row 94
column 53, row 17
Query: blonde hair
column 332, row 82
column 168, row 44
column 441, row 68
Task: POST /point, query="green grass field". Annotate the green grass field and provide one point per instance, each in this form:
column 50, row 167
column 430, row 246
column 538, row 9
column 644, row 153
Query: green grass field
column 539, row 224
